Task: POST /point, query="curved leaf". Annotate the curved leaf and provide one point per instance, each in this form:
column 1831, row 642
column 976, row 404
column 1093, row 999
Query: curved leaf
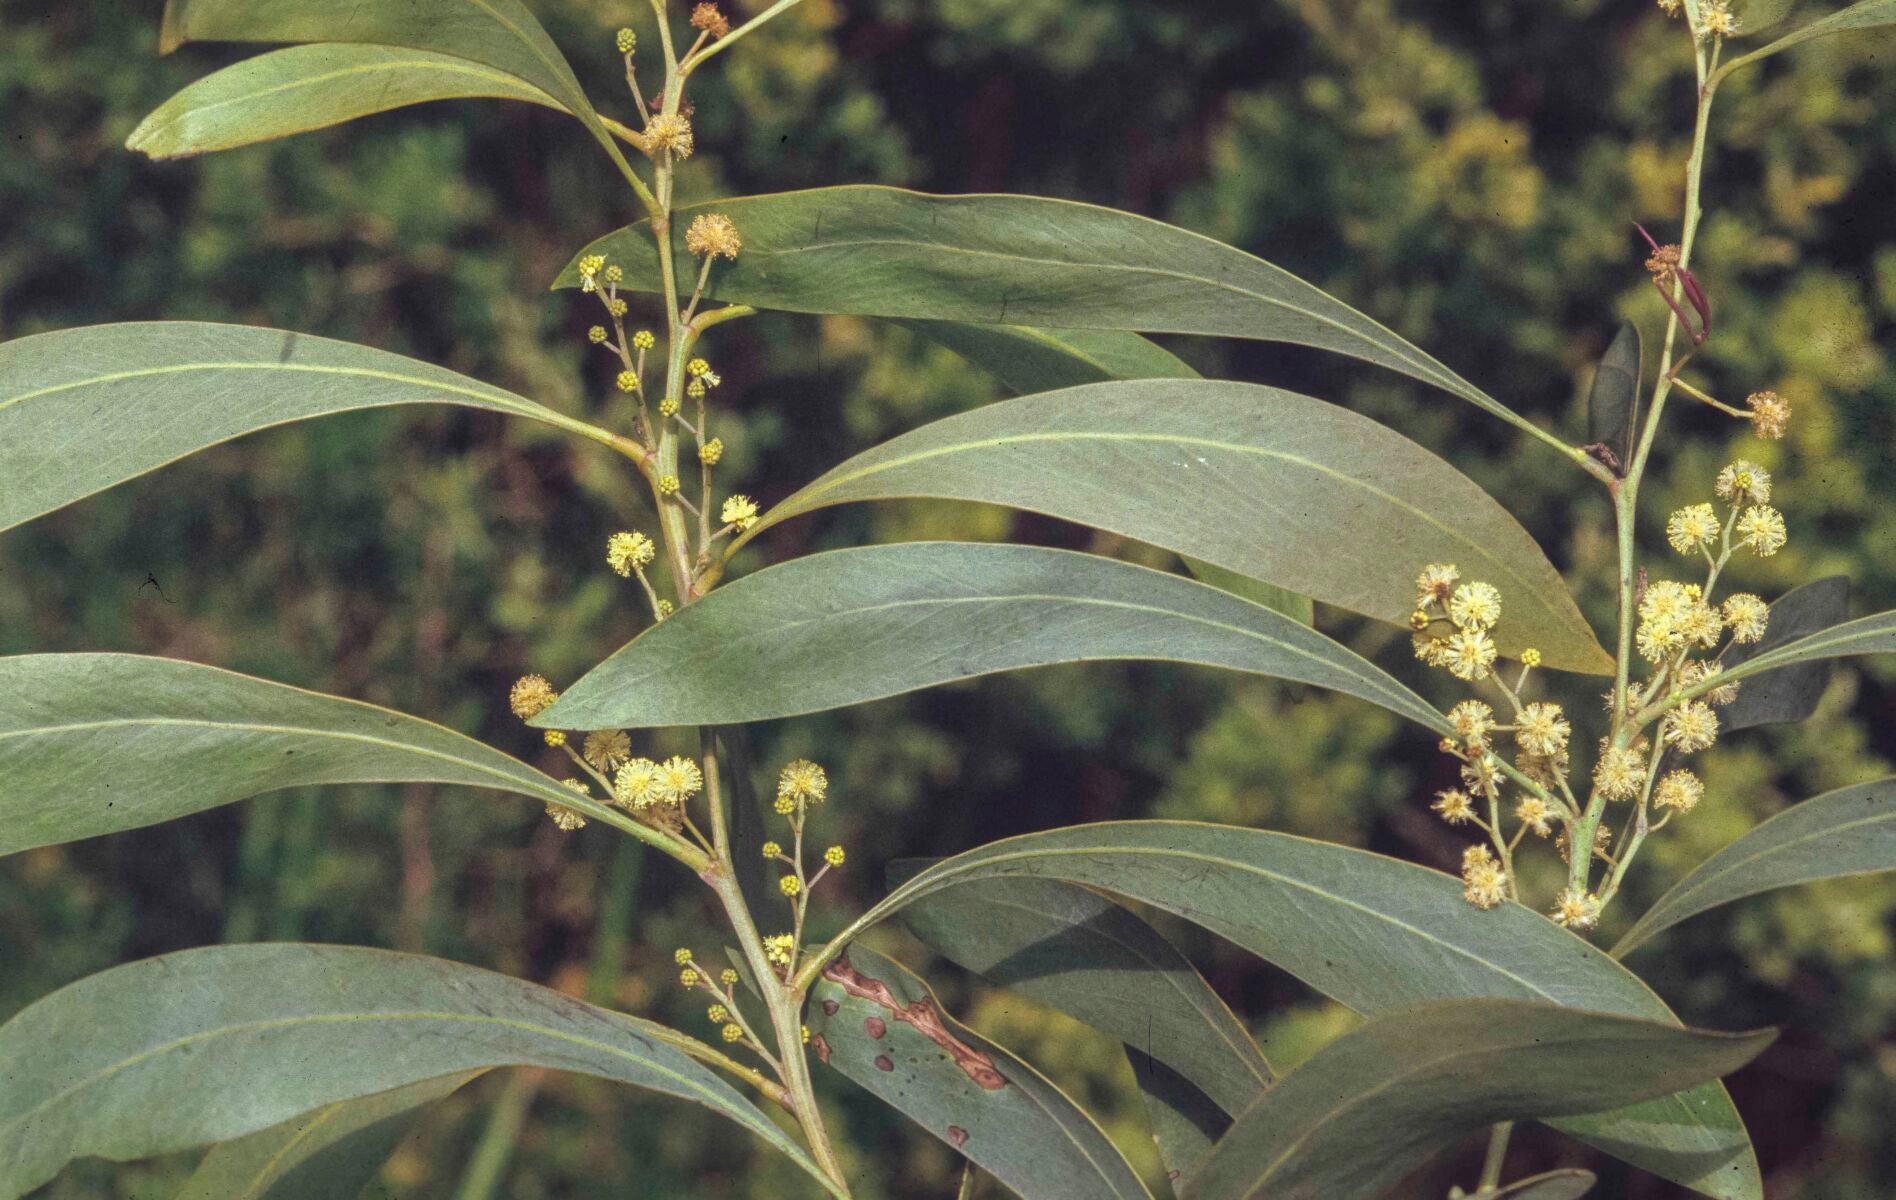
column 1851, row 831
column 213, row 1044
column 1077, row 952
column 846, row 626
column 1788, row 693
column 98, row 743
column 83, row 409
column 1413, row 1081
column 1409, row 936
column 1613, row 399
column 1029, row 360
column 883, row 1028
column 1279, row 487
column 319, row 1155
column 302, row 88
column 1865, row 635
column 501, row 34
column 886, row 252
column 1298, row 608
column 1865, row 14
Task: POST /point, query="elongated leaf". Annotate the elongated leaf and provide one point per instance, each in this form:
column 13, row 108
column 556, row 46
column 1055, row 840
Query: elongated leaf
column 847, row 626
column 885, row 252
column 97, row 743
column 1030, row 360
column 1185, row 1122
column 83, row 409
column 1613, row 400
column 1569, row 1184
column 1275, row 486
column 311, row 87
column 1415, row 1080
column 1788, row 693
column 1865, row 635
column 1040, row 360
column 213, row 1044
column 1373, row 933
column 329, row 1153
column 1851, row 831
column 882, row 1027
column 1865, row 14
column 1074, row 950
column 501, row 34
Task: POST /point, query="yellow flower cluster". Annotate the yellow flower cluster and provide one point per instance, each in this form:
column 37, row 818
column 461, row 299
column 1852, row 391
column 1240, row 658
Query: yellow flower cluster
column 669, row 131
column 629, row 550
column 712, row 234
column 1674, row 616
column 1471, row 609
column 780, row 948
column 739, row 511
column 801, row 783
column 1484, row 882
column 642, row 784
column 531, row 695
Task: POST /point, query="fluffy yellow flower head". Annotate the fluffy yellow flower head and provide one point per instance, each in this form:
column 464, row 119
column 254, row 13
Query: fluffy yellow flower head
column 563, row 817
column 740, row 511
column 778, row 948
column 1576, row 910
column 711, row 235
column 677, row 780
column 1691, row 727
column 629, row 549
column 1533, row 812
column 1762, row 528
column 1542, row 729
column 1471, row 719
column 1435, row 583
column 707, row 17
column 606, row 748
column 1620, row 771
column 803, row 782
column 1744, row 483
column 1716, row 19
column 669, row 131
column 1484, row 883
column 1475, row 606
column 1770, row 414
column 1454, row 806
column 635, row 786
column 1468, row 654
column 1678, row 789
column 1693, row 527
column 1748, row 615
column 531, row 696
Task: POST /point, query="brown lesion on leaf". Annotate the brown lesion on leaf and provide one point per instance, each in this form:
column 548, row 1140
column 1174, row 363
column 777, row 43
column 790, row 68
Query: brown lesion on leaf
column 922, row 1016
column 821, row 1046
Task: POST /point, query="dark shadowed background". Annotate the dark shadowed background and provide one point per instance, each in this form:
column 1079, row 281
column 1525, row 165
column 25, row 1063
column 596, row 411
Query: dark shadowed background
column 1464, row 170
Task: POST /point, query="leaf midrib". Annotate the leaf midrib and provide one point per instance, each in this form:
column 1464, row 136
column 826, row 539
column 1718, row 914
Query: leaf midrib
column 696, row 1087
column 799, row 503
column 445, row 64
column 713, row 648
column 494, row 399
column 297, row 731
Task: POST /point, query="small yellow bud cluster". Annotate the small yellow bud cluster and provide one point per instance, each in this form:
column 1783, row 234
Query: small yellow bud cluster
column 556, row 737
column 628, row 551
column 732, row 1033
column 772, row 849
column 643, row 340
column 790, row 885
column 833, row 856
column 668, row 484
column 596, row 335
column 627, row 381
column 626, row 41
column 712, row 235
column 1472, row 609
column 711, row 452
column 589, row 267
column 727, row 976
column 682, row 956
column 1454, row 806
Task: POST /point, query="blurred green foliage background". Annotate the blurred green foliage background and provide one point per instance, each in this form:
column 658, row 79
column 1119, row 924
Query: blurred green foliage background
column 1464, row 170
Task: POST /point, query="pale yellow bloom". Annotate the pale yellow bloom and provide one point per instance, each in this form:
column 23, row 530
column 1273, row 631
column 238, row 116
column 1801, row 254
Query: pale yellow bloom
column 1748, row 615
column 669, row 131
column 1691, row 727
column 1454, row 806
column 677, row 780
column 1680, row 790
column 635, row 786
column 1770, row 414
column 740, row 511
column 629, row 549
column 803, row 782
column 1693, row 527
column 531, row 696
column 1542, row 729
column 606, row 748
column 1471, row 719
column 1762, row 528
column 1620, row 771
column 1576, row 910
column 1484, row 883
column 1534, row 813
column 1475, row 606
column 1435, row 583
column 1469, row 654
column 711, row 235
column 1744, row 483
